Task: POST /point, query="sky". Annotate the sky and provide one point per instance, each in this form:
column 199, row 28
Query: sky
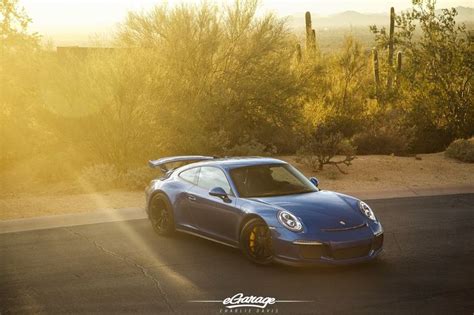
column 75, row 21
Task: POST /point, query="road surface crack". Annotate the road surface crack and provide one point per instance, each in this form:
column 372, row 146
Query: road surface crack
column 396, row 242
column 128, row 261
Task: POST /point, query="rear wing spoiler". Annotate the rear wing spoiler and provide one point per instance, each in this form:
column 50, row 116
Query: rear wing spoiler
column 185, row 159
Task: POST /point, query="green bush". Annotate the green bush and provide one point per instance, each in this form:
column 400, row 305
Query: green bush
column 462, row 150
column 250, row 148
column 429, row 139
column 381, row 141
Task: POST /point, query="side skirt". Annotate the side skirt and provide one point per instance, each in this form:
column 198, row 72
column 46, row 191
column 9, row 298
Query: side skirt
column 207, row 238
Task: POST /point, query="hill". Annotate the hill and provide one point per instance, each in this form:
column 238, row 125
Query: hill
column 331, row 29
column 349, row 19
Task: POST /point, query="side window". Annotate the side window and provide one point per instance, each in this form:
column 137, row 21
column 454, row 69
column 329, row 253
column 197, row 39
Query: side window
column 190, row 175
column 211, row 177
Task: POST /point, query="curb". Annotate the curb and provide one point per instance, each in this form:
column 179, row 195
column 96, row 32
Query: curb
column 413, row 192
column 65, row 220
column 127, row 214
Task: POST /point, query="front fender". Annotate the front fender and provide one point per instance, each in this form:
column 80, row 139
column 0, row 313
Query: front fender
column 266, row 212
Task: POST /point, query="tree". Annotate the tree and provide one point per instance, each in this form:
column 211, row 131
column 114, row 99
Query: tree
column 99, row 103
column 439, row 70
column 19, row 84
column 336, row 88
column 325, row 145
column 335, row 103
column 14, row 24
column 223, row 75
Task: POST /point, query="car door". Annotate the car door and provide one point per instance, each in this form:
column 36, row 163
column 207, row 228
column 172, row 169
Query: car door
column 183, row 214
column 212, row 215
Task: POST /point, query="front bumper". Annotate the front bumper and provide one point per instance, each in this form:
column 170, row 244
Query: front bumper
column 340, row 251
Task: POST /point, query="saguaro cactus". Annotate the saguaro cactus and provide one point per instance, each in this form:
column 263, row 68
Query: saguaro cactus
column 310, row 33
column 298, row 53
column 376, row 71
column 390, row 70
column 390, row 48
column 399, row 69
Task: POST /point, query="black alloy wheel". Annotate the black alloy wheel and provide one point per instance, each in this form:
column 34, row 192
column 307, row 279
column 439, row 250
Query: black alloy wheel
column 256, row 242
column 161, row 215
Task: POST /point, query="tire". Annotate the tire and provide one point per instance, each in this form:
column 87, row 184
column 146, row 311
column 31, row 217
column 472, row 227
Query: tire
column 256, row 242
column 160, row 214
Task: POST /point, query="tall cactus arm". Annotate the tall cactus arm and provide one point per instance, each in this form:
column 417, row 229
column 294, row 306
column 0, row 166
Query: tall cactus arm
column 298, row 53
column 310, row 33
column 309, row 30
column 399, row 69
column 390, row 48
column 376, row 70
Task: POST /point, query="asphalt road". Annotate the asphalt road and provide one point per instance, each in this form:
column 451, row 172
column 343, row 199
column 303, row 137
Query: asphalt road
column 428, row 267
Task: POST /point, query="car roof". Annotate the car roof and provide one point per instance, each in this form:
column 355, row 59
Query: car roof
column 236, row 162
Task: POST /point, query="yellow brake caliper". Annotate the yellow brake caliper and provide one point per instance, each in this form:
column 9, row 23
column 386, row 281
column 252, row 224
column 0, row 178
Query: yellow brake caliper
column 252, row 239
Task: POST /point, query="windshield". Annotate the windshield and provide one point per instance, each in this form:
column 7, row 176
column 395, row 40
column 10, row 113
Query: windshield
column 270, row 180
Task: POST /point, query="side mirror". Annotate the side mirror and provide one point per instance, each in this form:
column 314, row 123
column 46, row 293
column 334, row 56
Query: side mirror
column 314, row 180
column 219, row 192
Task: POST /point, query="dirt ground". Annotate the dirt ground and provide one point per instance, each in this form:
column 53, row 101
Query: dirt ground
column 368, row 173
column 385, row 172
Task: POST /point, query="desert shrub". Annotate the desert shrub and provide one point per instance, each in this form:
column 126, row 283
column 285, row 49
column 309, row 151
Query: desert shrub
column 322, row 146
column 108, row 176
column 382, row 141
column 335, row 92
column 43, row 168
column 100, row 177
column 462, row 150
column 54, row 167
column 250, row 148
column 429, row 138
column 137, row 178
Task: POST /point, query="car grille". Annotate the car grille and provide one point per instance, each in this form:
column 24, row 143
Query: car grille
column 314, row 251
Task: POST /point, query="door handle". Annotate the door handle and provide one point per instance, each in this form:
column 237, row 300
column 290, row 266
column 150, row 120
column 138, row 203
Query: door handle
column 192, row 197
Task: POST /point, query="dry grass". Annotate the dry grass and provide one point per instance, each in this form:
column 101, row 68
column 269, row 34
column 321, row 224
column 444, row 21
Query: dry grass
column 26, row 205
column 368, row 173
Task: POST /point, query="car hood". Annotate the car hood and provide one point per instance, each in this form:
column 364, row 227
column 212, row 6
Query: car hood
column 320, row 210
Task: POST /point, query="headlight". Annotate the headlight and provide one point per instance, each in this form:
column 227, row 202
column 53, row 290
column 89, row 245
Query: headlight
column 290, row 221
column 367, row 211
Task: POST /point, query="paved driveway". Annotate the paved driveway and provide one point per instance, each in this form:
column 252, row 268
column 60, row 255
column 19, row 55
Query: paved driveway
column 428, row 267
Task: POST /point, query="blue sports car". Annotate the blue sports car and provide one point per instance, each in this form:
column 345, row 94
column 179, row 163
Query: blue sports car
column 263, row 206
